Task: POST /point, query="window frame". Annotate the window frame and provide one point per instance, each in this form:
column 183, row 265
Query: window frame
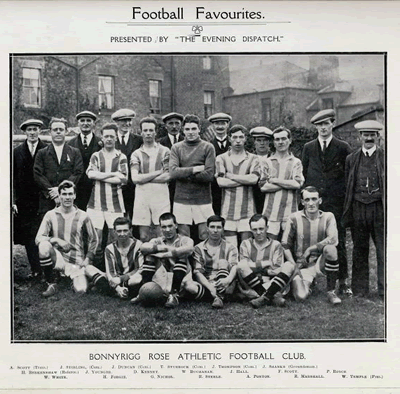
column 111, row 93
column 31, row 87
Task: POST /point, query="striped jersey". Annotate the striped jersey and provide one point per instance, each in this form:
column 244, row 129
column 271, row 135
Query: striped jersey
column 268, row 257
column 146, row 161
column 76, row 228
column 301, row 232
column 237, row 202
column 280, row 204
column 106, row 196
column 123, row 263
column 206, row 259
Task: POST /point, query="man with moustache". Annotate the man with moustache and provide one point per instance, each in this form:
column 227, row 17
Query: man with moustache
column 54, row 164
column 220, row 125
column 324, row 168
column 173, row 123
column 127, row 143
column 87, row 143
column 26, row 193
column 364, row 210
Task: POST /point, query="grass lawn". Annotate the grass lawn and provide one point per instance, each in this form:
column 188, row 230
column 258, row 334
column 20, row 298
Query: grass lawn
column 67, row 316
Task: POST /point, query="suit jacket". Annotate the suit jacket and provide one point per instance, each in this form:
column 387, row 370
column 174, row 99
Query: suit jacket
column 165, row 141
column 48, row 173
column 352, row 163
column 326, row 172
column 218, row 150
column 84, row 186
column 26, row 193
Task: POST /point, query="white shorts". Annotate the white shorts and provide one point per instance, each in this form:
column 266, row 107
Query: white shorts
column 238, row 226
column 99, row 217
column 148, row 207
column 67, row 269
column 275, row 227
column 188, row 214
column 310, row 273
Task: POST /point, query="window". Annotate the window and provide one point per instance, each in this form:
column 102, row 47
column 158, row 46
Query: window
column 155, row 96
column 206, row 62
column 266, row 111
column 327, row 103
column 31, row 87
column 106, row 92
column 208, row 103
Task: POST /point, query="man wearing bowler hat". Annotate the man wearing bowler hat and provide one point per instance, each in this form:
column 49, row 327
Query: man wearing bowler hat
column 220, row 124
column 173, row 123
column 88, row 143
column 324, row 168
column 127, row 143
column 26, row 192
column 364, row 206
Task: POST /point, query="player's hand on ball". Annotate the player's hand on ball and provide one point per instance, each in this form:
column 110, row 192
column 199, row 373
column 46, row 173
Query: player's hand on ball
column 122, row 292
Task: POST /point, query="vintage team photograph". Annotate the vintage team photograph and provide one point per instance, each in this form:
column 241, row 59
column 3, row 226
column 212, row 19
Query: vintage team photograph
column 202, row 197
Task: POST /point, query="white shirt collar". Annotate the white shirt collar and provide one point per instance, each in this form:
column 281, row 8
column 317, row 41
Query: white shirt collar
column 88, row 138
column 123, row 135
column 59, row 150
column 172, row 138
column 328, row 141
column 370, row 151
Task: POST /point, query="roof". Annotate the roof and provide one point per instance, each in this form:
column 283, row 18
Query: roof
column 364, row 91
column 269, row 77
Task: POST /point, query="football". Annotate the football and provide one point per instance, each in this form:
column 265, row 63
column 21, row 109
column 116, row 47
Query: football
column 151, row 294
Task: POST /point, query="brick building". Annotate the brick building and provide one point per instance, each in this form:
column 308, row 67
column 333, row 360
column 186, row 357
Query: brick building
column 58, row 85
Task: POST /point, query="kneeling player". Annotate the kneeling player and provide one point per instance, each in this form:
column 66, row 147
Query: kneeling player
column 169, row 254
column 215, row 262
column 64, row 235
column 312, row 236
column 260, row 258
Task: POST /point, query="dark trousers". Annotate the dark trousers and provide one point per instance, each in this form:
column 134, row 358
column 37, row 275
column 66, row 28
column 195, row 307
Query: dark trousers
column 368, row 222
column 335, row 205
column 32, row 252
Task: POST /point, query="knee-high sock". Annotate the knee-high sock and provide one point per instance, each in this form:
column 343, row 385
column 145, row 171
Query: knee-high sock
column 332, row 273
column 255, row 283
column 47, row 267
column 222, row 273
column 277, row 283
column 179, row 272
column 149, row 269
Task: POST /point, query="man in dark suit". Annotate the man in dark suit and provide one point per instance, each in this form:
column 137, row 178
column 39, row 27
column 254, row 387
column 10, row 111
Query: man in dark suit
column 87, row 143
column 364, row 210
column 26, row 193
column 56, row 163
column 173, row 123
column 220, row 124
column 127, row 142
column 324, row 168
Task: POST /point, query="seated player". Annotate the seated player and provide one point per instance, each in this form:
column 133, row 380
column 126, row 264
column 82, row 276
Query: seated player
column 237, row 170
column 149, row 172
column 124, row 260
column 215, row 262
column 169, row 254
column 261, row 259
column 310, row 241
column 64, row 235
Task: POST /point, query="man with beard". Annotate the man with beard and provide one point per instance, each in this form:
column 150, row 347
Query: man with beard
column 87, row 143
column 26, row 193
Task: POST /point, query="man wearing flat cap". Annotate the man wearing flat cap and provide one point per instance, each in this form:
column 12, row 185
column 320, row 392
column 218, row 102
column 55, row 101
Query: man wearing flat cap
column 127, row 143
column 26, row 192
column 87, row 143
column 324, row 168
column 262, row 138
column 364, row 206
column 173, row 123
column 219, row 124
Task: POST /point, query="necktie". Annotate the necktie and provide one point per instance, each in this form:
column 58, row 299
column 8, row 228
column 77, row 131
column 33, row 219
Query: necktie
column 32, row 149
column 367, row 154
column 85, row 145
column 123, row 140
column 221, row 144
column 175, row 139
column 324, row 147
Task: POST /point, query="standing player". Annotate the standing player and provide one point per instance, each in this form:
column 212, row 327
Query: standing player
column 149, row 172
column 61, row 240
column 192, row 164
column 215, row 263
column 282, row 176
column 310, row 241
column 237, row 170
column 26, row 193
column 87, row 143
column 124, row 260
column 324, row 168
column 109, row 169
column 169, row 253
column 262, row 261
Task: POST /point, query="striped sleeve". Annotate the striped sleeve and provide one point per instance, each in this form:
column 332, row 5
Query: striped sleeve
column 110, row 261
column 232, row 255
column 198, row 260
column 298, row 173
column 123, row 166
column 165, row 160
column 289, row 235
column 92, row 239
column 277, row 258
column 331, row 232
column 135, row 161
column 264, row 173
column 245, row 251
column 255, row 167
column 94, row 164
column 220, row 169
column 45, row 230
